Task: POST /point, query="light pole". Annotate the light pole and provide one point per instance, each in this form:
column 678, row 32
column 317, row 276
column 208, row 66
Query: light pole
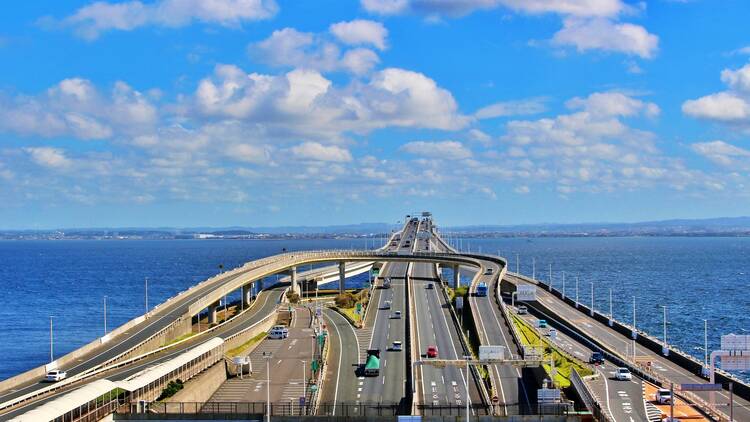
column 563, row 289
column 550, row 277
column 105, row 315
column 591, row 310
column 267, row 356
column 467, row 357
column 665, row 349
column 611, row 315
column 304, row 379
column 518, row 264
column 146, row 290
column 576, row 292
column 51, row 342
column 705, row 346
column 533, row 268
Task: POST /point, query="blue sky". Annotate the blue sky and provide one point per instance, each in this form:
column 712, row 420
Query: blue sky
column 263, row 112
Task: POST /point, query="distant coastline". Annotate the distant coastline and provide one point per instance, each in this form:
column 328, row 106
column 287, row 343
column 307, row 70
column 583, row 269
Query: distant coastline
column 714, row 227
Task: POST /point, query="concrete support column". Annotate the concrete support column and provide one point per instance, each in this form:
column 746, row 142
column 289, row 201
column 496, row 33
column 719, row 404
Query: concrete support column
column 293, row 278
column 212, row 312
column 260, row 284
column 456, row 277
column 246, row 289
column 342, row 276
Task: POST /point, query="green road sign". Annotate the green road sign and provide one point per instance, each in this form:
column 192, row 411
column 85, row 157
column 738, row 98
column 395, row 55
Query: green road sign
column 359, row 307
column 315, row 366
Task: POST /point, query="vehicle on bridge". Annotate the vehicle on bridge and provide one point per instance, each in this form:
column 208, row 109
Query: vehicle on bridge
column 481, row 289
column 432, row 351
column 623, row 374
column 663, row 396
column 387, row 283
column 542, row 323
column 397, row 346
column 523, row 310
column 396, row 315
column 597, row 358
column 372, row 365
column 430, row 286
column 278, row 332
column 386, row 304
column 55, row 375
column 488, row 271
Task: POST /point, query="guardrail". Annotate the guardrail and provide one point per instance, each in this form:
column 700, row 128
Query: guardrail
column 588, row 397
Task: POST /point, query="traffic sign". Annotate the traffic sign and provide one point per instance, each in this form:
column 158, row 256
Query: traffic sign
column 700, row 387
column 491, row 352
column 525, row 293
column 733, row 342
column 737, row 362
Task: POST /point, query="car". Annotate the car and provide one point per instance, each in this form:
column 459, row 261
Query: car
column 623, row 374
column 396, row 315
column 278, row 332
column 523, row 310
column 55, row 375
column 663, row 396
column 387, row 304
column 397, row 346
column 542, row 323
column 552, row 334
column 430, row 286
column 432, row 351
column 488, row 271
column 597, row 358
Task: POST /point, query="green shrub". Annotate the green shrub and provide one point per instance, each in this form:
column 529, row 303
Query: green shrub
column 171, row 389
column 345, row 300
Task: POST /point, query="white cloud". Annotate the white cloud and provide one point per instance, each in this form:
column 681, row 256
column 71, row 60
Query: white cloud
column 360, row 31
column 291, row 48
column 722, row 106
column 512, row 108
column 48, row 157
column 479, row 136
column 74, row 107
column 614, row 104
column 606, row 35
column 91, row 20
column 445, row 150
column 318, row 152
column 464, row 7
column 726, row 155
column 738, row 80
column 303, row 102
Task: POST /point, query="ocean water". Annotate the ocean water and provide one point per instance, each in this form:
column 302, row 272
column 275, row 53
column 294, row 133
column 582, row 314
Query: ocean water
column 696, row 278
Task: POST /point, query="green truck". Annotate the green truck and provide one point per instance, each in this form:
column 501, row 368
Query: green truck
column 372, row 364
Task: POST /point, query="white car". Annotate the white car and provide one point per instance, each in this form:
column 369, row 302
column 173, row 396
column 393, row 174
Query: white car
column 278, row 332
column 663, row 396
column 55, row 375
column 623, row 374
column 387, row 304
column 523, row 310
column 397, row 346
column 396, row 315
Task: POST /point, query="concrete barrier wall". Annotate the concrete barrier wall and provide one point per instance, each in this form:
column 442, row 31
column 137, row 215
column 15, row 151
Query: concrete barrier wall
column 203, row 386
column 653, row 344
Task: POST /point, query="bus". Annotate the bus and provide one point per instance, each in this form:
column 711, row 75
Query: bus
column 372, row 364
column 482, row 289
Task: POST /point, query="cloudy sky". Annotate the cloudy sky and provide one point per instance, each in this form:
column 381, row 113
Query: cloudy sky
column 274, row 112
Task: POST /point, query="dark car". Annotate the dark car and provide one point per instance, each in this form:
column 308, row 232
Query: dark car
column 597, row 358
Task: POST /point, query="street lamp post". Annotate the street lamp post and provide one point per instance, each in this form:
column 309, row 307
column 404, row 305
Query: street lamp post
column 550, row 277
column 576, row 292
column 267, row 356
column 665, row 349
column 51, row 342
column 705, row 346
column 304, row 379
column 563, row 288
column 591, row 310
column 611, row 314
column 533, row 268
column 518, row 264
column 467, row 357
column 105, row 315
column 146, row 290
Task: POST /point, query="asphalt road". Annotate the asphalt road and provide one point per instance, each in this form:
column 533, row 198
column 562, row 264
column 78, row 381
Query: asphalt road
column 342, row 384
column 265, row 304
column 622, row 400
column 616, row 341
column 390, row 386
column 434, row 327
column 512, row 393
column 134, row 336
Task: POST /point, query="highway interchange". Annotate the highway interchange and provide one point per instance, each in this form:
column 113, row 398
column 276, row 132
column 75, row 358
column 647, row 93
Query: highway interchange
column 417, row 292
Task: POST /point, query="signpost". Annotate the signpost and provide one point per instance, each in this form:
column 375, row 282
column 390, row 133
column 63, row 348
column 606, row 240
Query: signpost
column 491, row 352
column 523, row 293
column 700, row 387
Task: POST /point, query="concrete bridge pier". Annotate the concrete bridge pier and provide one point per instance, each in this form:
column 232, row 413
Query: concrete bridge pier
column 456, row 277
column 212, row 317
column 246, row 293
column 342, row 276
column 260, row 285
column 293, row 278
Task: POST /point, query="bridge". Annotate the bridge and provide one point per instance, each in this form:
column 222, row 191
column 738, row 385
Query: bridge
column 418, row 275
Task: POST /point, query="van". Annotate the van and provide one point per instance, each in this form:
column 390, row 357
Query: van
column 55, row 375
column 278, row 332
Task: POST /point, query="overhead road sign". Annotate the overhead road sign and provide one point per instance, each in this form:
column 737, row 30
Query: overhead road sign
column 733, row 342
column 491, row 352
column 700, row 387
column 525, row 293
